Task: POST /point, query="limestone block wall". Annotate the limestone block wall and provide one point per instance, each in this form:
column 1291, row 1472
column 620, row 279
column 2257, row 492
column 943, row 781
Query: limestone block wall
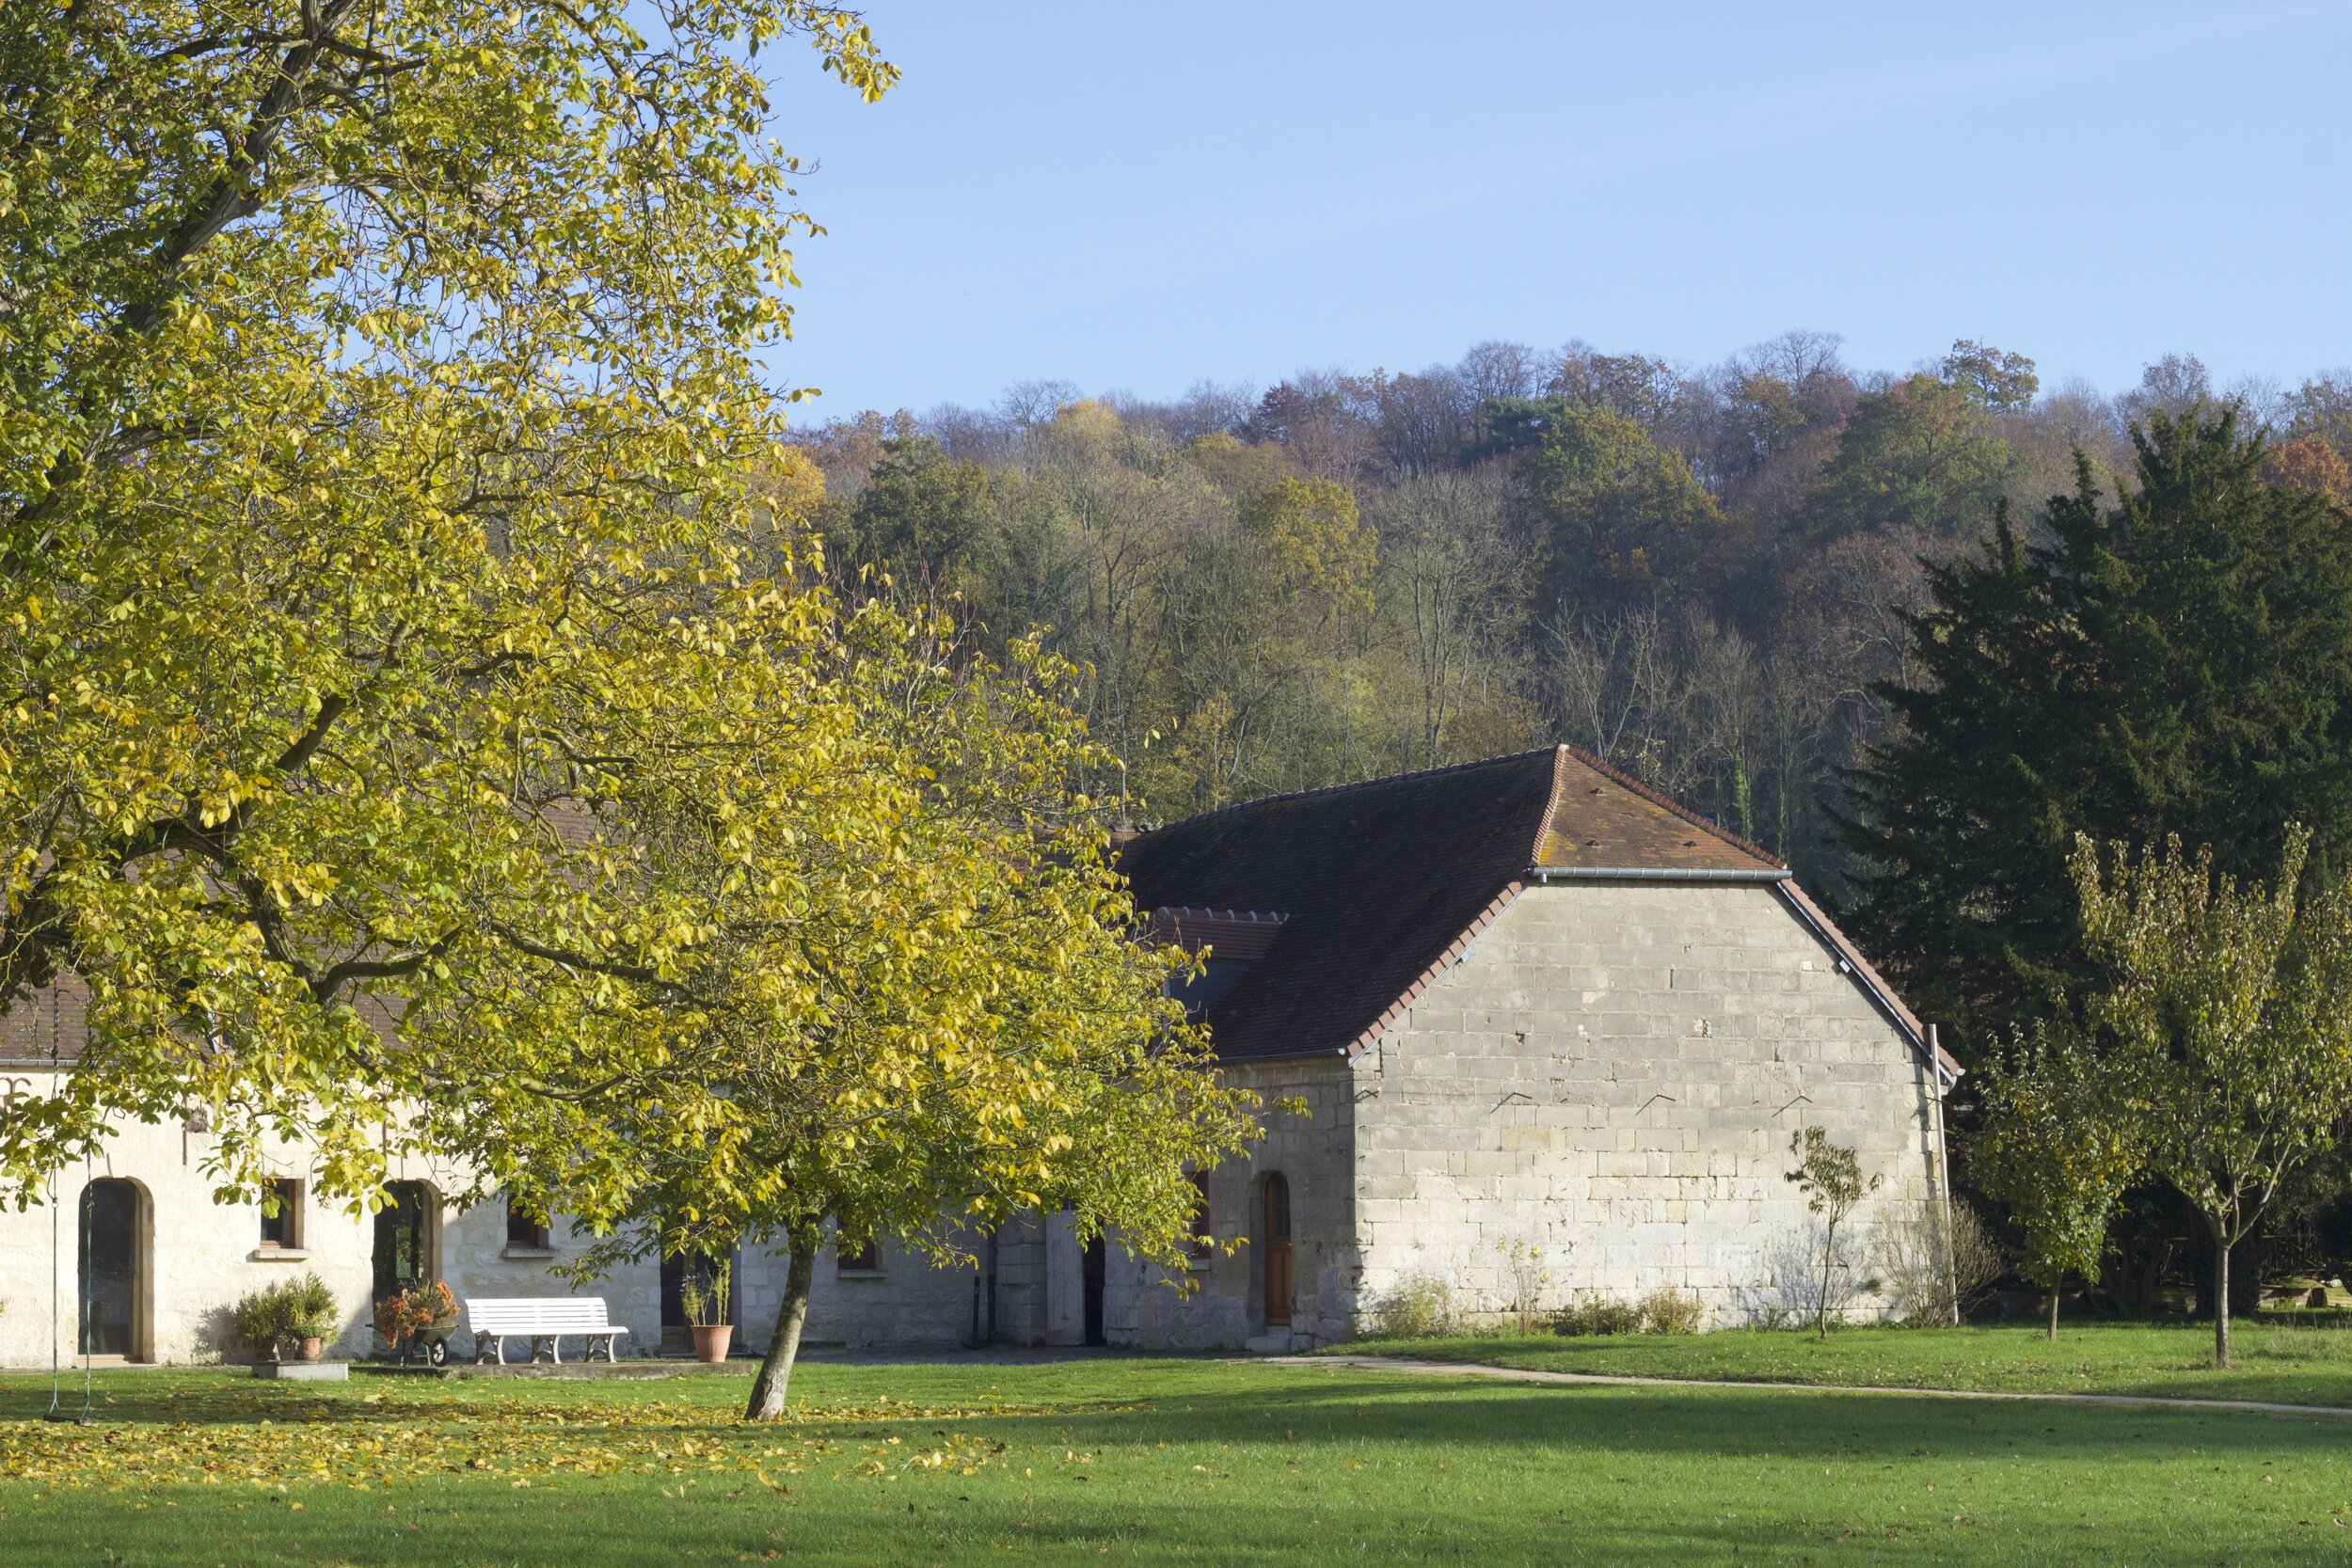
column 1612, row 1073
column 904, row 1301
column 1314, row 1154
column 197, row 1257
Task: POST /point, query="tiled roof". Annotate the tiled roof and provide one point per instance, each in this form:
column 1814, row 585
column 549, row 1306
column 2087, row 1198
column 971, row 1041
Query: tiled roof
column 52, row 1023
column 1237, row 935
column 46, row 1025
column 1601, row 820
column 1385, row 883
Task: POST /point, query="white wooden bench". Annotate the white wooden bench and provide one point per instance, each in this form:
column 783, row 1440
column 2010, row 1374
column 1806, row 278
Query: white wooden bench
column 543, row 1320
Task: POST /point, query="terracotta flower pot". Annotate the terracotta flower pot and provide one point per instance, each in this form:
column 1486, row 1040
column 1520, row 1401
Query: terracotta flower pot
column 710, row 1343
column 309, row 1348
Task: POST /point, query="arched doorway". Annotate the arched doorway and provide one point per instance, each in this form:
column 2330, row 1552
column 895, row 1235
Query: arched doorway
column 1275, row 1228
column 113, row 1271
column 404, row 1237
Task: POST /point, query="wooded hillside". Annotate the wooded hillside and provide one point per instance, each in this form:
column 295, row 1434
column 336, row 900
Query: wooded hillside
column 1697, row 575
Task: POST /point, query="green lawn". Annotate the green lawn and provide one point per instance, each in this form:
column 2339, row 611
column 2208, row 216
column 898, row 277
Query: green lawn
column 1154, row 1461
column 2288, row 1364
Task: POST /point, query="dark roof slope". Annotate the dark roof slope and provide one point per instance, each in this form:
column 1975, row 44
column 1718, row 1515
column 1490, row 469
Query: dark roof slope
column 1386, row 882
column 47, row 1025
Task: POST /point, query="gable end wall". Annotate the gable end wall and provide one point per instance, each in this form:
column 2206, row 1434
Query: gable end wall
column 1613, row 1072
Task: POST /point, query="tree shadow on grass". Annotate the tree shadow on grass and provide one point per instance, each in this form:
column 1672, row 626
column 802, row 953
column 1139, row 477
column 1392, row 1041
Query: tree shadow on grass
column 2288, row 1366
column 1338, row 1467
column 1295, row 1466
column 1726, row 1422
column 1311, row 1406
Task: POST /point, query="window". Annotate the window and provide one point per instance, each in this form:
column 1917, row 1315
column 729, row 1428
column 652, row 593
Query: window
column 1203, row 1240
column 525, row 1230
column 865, row 1260
column 282, row 1215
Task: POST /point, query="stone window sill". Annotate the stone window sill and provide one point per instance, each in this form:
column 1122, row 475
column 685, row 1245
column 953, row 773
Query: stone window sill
column 527, row 1254
column 278, row 1254
column 859, row 1274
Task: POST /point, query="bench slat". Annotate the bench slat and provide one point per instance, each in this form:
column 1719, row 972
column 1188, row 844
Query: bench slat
column 543, row 1315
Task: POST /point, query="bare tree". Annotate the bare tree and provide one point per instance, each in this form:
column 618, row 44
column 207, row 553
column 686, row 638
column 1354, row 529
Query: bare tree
column 2173, row 385
column 1617, row 686
column 1727, row 686
column 1451, row 561
column 1426, row 420
column 1495, row 368
column 1028, row 403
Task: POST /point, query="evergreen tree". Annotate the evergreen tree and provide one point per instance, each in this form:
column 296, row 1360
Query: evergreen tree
column 2177, row 663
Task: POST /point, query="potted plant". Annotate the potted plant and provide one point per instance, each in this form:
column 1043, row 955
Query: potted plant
column 311, row 1316
column 418, row 1321
column 704, row 1293
column 261, row 1321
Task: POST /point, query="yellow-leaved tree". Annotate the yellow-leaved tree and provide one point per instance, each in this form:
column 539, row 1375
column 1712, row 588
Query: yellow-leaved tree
column 2061, row 1143
column 895, row 990
column 378, row 392
column 420, row 730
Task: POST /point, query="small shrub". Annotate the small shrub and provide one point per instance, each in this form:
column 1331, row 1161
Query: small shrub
column 1420, row 1309
column 262, row 1319
column 1523, row 1262
column 1908, row 1250
column 1667, row 1310
column 292, row 1309
column 311, row 1312
column 1596, row 1316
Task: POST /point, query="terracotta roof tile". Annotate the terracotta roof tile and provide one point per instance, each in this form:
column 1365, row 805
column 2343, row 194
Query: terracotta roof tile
column 1600, row 819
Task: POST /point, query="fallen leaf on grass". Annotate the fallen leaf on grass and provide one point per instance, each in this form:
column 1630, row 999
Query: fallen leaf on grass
column 368, row 1444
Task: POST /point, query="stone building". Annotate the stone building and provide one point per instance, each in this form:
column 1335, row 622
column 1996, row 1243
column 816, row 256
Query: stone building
column 1522, row 1002
column 1527, row 1004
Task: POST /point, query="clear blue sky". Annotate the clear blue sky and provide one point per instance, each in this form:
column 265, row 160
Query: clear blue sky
column 1136, row 197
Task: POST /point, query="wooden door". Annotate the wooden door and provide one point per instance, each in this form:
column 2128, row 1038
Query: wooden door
column 1278, row 1251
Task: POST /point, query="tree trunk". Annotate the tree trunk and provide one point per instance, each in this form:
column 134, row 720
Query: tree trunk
column 1829, row 1261
column 784, row 1345
column 2220, row 1294
column 2054, row 1298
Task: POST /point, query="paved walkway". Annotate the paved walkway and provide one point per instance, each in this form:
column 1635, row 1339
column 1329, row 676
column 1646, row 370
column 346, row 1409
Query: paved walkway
column 1521, row 1375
